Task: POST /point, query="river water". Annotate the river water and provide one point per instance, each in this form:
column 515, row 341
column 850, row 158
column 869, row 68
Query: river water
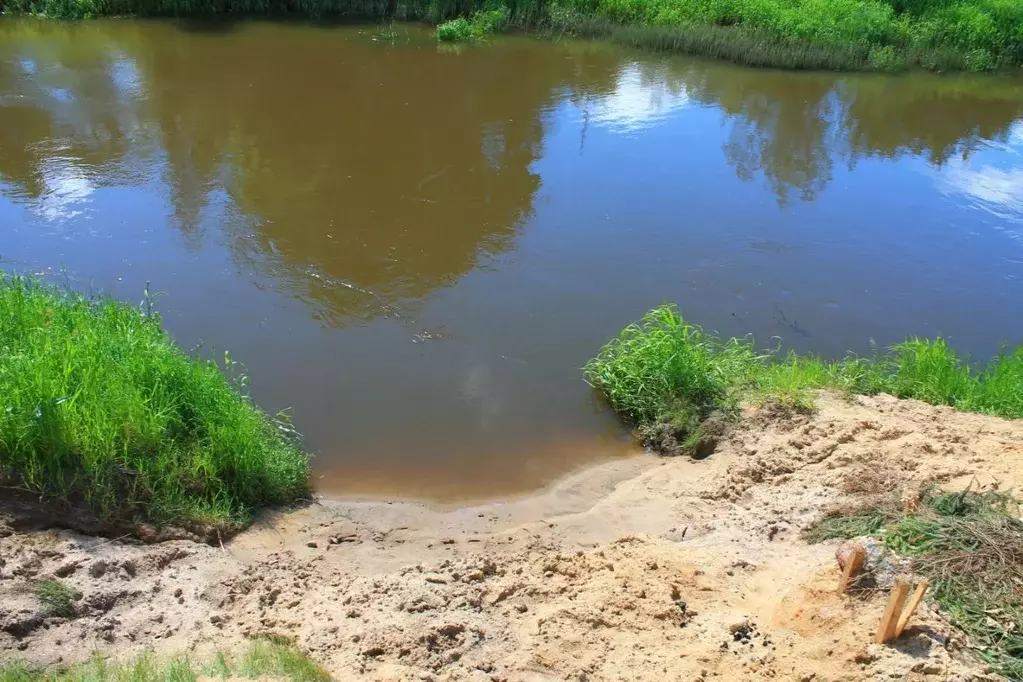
column 415, row 248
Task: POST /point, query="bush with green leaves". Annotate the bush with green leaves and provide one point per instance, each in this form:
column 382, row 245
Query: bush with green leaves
column 455, row 31
column 477, row 27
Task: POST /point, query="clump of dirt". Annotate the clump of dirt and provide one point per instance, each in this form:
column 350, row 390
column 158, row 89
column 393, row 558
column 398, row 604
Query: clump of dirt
column 641, row 569
column 685, row 432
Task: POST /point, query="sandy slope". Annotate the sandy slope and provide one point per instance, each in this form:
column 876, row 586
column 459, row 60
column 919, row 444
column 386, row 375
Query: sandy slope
column 634, row 570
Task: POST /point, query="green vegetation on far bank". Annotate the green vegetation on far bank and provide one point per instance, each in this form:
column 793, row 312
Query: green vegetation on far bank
column 100, row 411
column 970, row 544
column 880, row 35
column 477, row 27
column 884, row 35
column 265, row 659
column 668, row 378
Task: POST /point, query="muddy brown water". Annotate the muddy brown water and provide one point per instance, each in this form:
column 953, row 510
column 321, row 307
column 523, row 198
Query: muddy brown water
column 415, row 248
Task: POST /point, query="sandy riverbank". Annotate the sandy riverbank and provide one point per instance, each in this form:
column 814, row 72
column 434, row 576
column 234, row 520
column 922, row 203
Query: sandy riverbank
column 582, row 581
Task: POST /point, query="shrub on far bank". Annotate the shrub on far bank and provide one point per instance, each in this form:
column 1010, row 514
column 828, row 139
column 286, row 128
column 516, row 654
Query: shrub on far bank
column 455, row 31
column 667, row 378
column 477, row 27
column 101, row 411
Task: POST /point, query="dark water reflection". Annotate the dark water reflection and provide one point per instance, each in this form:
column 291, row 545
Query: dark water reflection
column 416, row 249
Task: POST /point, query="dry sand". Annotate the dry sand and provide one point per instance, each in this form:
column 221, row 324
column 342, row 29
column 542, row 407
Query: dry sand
column 640, row 569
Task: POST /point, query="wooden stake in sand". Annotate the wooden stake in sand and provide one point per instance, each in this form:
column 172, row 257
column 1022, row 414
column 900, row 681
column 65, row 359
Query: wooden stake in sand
column 921, row 590
column 888, row 628
column 853, row 564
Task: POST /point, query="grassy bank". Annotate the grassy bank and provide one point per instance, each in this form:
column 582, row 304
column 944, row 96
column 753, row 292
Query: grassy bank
column 737, row 44
column 885, row 35
column 101, row 411
column 668, row 378
column 263, row 660
column 970, row 545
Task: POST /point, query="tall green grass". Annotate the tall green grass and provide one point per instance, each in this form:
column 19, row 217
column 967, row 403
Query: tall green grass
column 923, row 369
column 264, row 659
column 665, row 371
column 100, row 410
column 662, row 361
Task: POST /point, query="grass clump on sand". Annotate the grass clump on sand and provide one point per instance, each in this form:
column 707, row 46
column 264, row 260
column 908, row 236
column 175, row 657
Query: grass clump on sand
column 477, row 27
column 264, row 660
column 970, row 544
column 668, row 378
column 57, row 598
column 101, row 411
column 277, row 658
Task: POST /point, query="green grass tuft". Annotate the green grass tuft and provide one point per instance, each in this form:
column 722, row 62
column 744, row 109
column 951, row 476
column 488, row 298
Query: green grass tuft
column 662, row 360
column 263, row 660
column 277, row 659
column 665, row 370
column 100, row 409
column 57, row 598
